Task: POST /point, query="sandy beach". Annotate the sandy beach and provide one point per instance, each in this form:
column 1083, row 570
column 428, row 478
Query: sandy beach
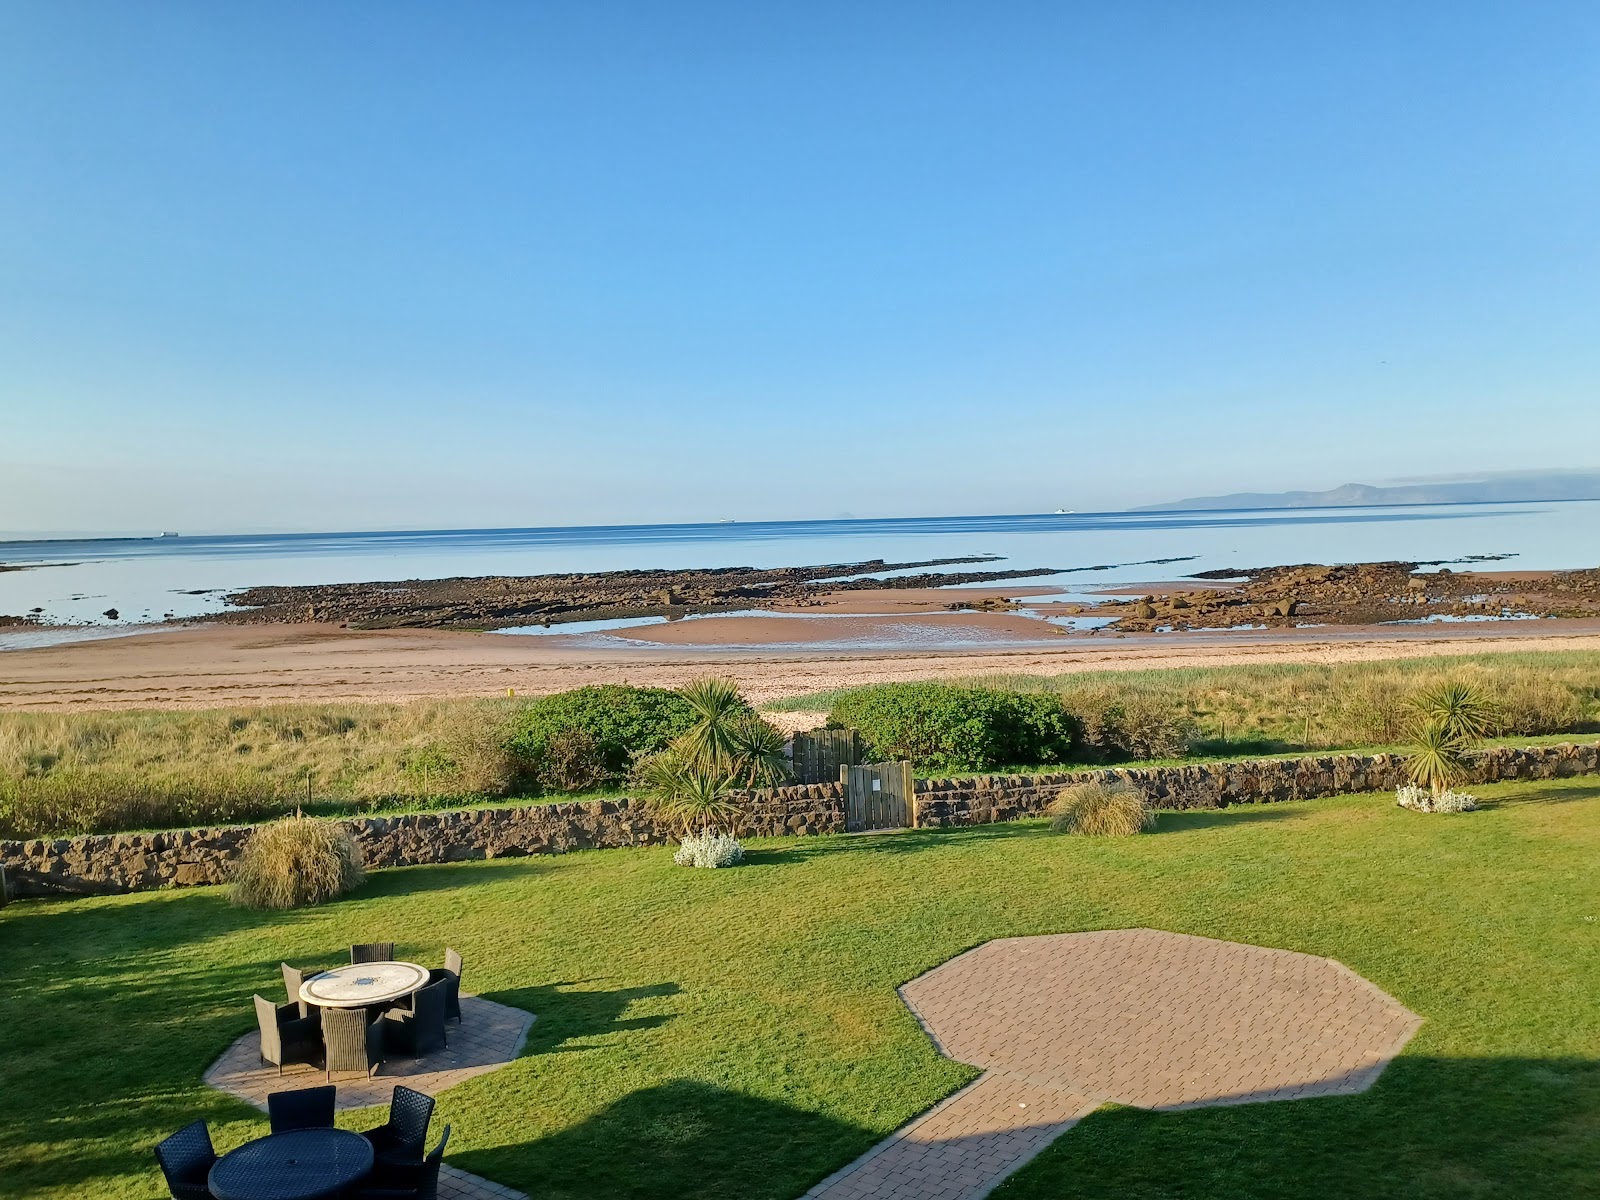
column 210, row 666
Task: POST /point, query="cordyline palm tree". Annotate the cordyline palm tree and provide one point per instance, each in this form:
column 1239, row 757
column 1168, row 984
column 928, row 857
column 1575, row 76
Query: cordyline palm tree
column 728, row 740
column 1438, row 757
column 684, row 791
column 1463, row 710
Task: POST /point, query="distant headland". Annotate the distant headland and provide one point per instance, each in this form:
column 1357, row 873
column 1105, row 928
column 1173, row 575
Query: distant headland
column 1498, row 489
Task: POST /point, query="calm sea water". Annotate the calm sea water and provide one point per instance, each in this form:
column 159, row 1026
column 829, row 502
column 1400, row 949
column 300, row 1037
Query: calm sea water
column 148, row 580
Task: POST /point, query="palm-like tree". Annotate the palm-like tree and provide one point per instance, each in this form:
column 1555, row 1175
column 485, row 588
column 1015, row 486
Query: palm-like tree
column 758, row 758
column 684, row 791
column 1465, row 712
column 1438, row 757
column 728, row 740
column 717, row 705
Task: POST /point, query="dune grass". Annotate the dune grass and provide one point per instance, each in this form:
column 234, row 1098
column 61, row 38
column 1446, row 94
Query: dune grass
column 736, row 1034
column 1317, row 706
column 101, row 772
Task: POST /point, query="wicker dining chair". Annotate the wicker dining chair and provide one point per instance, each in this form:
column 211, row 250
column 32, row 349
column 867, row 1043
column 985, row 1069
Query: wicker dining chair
column 286, row 1036
column 452, row 973
column 409, row 1182
column 372, row 952
column 402, row 1139
column 419, row 1030
column 352, row 1041
column 305, row 1108
column 293, row 977
column 186, row 1159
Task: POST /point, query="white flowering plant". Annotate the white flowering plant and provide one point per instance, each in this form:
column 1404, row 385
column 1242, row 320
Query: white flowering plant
column 1421, row 799
column 709, row 848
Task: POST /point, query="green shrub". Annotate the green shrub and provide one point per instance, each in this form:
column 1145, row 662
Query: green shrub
column 944, row 728
column 572, row 762
column 1124, row 723
column 1102, row 810
column 295, row 862
column 624, row 723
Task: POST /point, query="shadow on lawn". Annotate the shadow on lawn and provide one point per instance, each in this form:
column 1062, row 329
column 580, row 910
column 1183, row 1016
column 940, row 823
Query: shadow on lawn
column 568, row 1011
column 677, row 1139
column 1546, row 792
column 1431, row 1128
column 890, row 841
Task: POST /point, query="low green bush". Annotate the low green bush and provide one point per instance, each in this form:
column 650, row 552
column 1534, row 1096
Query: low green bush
column 1118, row 723
column 295, row 862
column 618, row 724
column 943, row 728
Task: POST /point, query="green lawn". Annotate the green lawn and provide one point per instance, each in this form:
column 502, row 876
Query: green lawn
column 737, row 1034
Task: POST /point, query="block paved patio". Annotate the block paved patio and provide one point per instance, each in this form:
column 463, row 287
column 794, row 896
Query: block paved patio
column 1067, row 1022
column 489, row 1036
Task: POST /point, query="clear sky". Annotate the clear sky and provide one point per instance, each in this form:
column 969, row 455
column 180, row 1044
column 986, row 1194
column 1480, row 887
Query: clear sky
column 391, row 264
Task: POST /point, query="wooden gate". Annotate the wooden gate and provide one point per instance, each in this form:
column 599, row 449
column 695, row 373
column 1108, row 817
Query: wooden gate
column 877, row 796
column 818, row 755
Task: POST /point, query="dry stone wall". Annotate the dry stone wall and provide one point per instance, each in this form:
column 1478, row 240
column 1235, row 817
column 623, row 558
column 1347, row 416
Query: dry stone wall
column 126, row 862
column 977, row 801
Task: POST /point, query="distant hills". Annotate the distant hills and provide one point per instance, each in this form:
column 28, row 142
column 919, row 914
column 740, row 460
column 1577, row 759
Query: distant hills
column 1542, row 485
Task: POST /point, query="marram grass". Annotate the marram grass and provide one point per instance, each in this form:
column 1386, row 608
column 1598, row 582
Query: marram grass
column 296, row 862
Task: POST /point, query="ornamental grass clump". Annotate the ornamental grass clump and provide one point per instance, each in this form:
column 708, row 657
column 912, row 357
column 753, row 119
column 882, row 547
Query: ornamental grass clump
column 295, row 862
column 1102, row 810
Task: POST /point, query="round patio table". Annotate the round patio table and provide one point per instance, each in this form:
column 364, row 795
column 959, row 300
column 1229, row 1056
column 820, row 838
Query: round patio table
column 303, row 1164
column 363, row 984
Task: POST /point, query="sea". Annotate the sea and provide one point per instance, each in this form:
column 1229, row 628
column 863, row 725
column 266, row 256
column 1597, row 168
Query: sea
column 71, row 585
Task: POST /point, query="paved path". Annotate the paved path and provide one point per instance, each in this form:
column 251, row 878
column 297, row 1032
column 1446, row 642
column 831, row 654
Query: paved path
column 489, row 1036
column 1157, row 1020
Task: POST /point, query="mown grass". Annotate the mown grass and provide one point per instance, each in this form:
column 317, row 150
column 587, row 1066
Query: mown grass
column 736, row 1034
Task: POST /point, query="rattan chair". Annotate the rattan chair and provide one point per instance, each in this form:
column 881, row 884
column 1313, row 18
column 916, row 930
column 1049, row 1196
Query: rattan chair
column 401, row 1140
column 286, row 1036
column 419, row 1030
column 293, row 977
column 186, row 1159
column 352, row 1041
column 372, row 952
column 451, row 972
column 307, row 1108
column 409, row 1182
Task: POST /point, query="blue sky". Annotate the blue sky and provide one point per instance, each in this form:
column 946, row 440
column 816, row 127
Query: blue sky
column 334, row 265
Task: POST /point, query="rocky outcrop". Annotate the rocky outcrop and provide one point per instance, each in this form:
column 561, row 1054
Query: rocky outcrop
column 127, row 862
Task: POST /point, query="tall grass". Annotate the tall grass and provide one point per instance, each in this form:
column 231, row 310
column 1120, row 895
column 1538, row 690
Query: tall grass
column 1308, row 705
column 99, row 772
column 295, row 862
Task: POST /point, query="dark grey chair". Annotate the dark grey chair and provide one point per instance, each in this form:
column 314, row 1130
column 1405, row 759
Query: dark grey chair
column 353, row 1041
column 286, row 1036
column 186, row 1159
column 401, row 1140
column 372, row 952
column 410, row 1182
column 419, row 1030
column 451, row 973
column 306, row 1108
column 293, row 977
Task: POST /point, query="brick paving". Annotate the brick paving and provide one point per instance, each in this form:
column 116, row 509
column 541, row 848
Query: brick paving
column 489, row 1036
column 1066, row 1022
